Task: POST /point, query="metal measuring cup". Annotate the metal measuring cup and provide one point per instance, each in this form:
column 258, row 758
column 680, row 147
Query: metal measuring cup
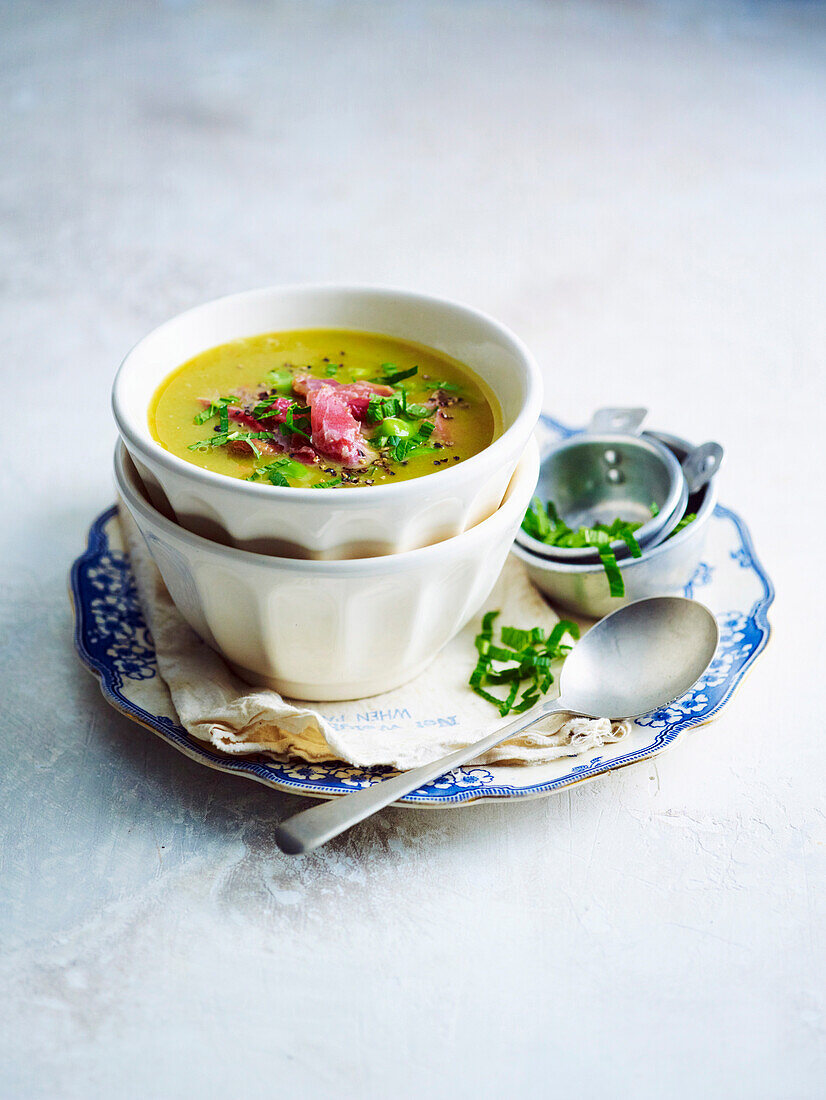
column 610, row 470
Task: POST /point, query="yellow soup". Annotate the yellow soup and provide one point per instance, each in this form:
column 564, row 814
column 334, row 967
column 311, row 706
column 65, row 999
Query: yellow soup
column 324, row 408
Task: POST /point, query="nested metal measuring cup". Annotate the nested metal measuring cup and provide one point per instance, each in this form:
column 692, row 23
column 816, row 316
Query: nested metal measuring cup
column 610, row 471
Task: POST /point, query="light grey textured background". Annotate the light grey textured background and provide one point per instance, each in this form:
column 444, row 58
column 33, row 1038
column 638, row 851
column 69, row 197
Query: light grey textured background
column 639, row 190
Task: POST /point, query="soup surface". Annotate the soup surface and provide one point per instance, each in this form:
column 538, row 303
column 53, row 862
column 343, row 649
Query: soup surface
column 323, row 408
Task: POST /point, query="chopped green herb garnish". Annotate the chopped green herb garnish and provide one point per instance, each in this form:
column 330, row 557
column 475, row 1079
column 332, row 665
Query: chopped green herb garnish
column 402, row 448
column 544, row 523
column 537, row 523
column 391, row 375
column 277, row 471
column 290, row 424
column 331, row 370
column 415, row 412
column 281, row 380
column 556, row 635
column 379, row 408
column 522, row 659
column 327, row 484
column 220, row 438
column 448, row 387
column 626, row 533
column 264, row 409
column 616, row 585
column 399, row 448
column 216, row 408
column 486, row 633
column 207, row 414
column 684, row 522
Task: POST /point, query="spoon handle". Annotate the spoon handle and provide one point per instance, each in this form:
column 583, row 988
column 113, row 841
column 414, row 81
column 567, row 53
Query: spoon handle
column 310, row 828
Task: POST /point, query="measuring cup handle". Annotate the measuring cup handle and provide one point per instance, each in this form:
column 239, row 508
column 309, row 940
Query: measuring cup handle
column 617, row 421
column 701, row 465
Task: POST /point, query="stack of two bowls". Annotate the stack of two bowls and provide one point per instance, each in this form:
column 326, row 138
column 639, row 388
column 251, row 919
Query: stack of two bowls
column 330, row 593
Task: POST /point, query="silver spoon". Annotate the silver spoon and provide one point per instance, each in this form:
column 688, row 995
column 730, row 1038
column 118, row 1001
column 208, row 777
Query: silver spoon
column 634, row 661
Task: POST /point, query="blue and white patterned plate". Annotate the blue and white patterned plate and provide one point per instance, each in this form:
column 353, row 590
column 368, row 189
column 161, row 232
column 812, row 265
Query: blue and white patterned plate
column 113, row 641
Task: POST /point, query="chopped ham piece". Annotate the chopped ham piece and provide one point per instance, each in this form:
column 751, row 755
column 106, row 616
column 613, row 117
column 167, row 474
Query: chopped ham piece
column 336, row 432
column 305, row 454
column 306, row 383
column 335, row 411
column 245, row 420
column 356, row 394
column 243, row 447
column 441, row 431
column 300, row 451
column 280, row 406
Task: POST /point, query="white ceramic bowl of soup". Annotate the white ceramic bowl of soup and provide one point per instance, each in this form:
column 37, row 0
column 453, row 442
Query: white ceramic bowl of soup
column 324, row 630
column 336, row 522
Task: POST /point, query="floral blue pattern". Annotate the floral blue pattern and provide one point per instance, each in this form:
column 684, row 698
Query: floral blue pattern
column 116, row 634
column 702, row 576
column 114, row 642
column 733, row 652
column 582, row 768
column 461, row 779
column 742, row 557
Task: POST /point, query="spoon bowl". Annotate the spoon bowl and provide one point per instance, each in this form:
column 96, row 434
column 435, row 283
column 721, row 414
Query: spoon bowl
column 639, row 658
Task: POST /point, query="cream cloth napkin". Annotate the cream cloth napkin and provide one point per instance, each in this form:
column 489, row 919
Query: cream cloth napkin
column 416, row 723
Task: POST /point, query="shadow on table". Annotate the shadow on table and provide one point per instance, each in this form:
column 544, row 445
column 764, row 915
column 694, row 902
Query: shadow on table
column 216, row 802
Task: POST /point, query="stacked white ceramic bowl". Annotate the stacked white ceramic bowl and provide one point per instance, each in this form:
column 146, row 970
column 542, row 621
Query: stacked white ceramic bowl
column 332, row 523
column 330, row 593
